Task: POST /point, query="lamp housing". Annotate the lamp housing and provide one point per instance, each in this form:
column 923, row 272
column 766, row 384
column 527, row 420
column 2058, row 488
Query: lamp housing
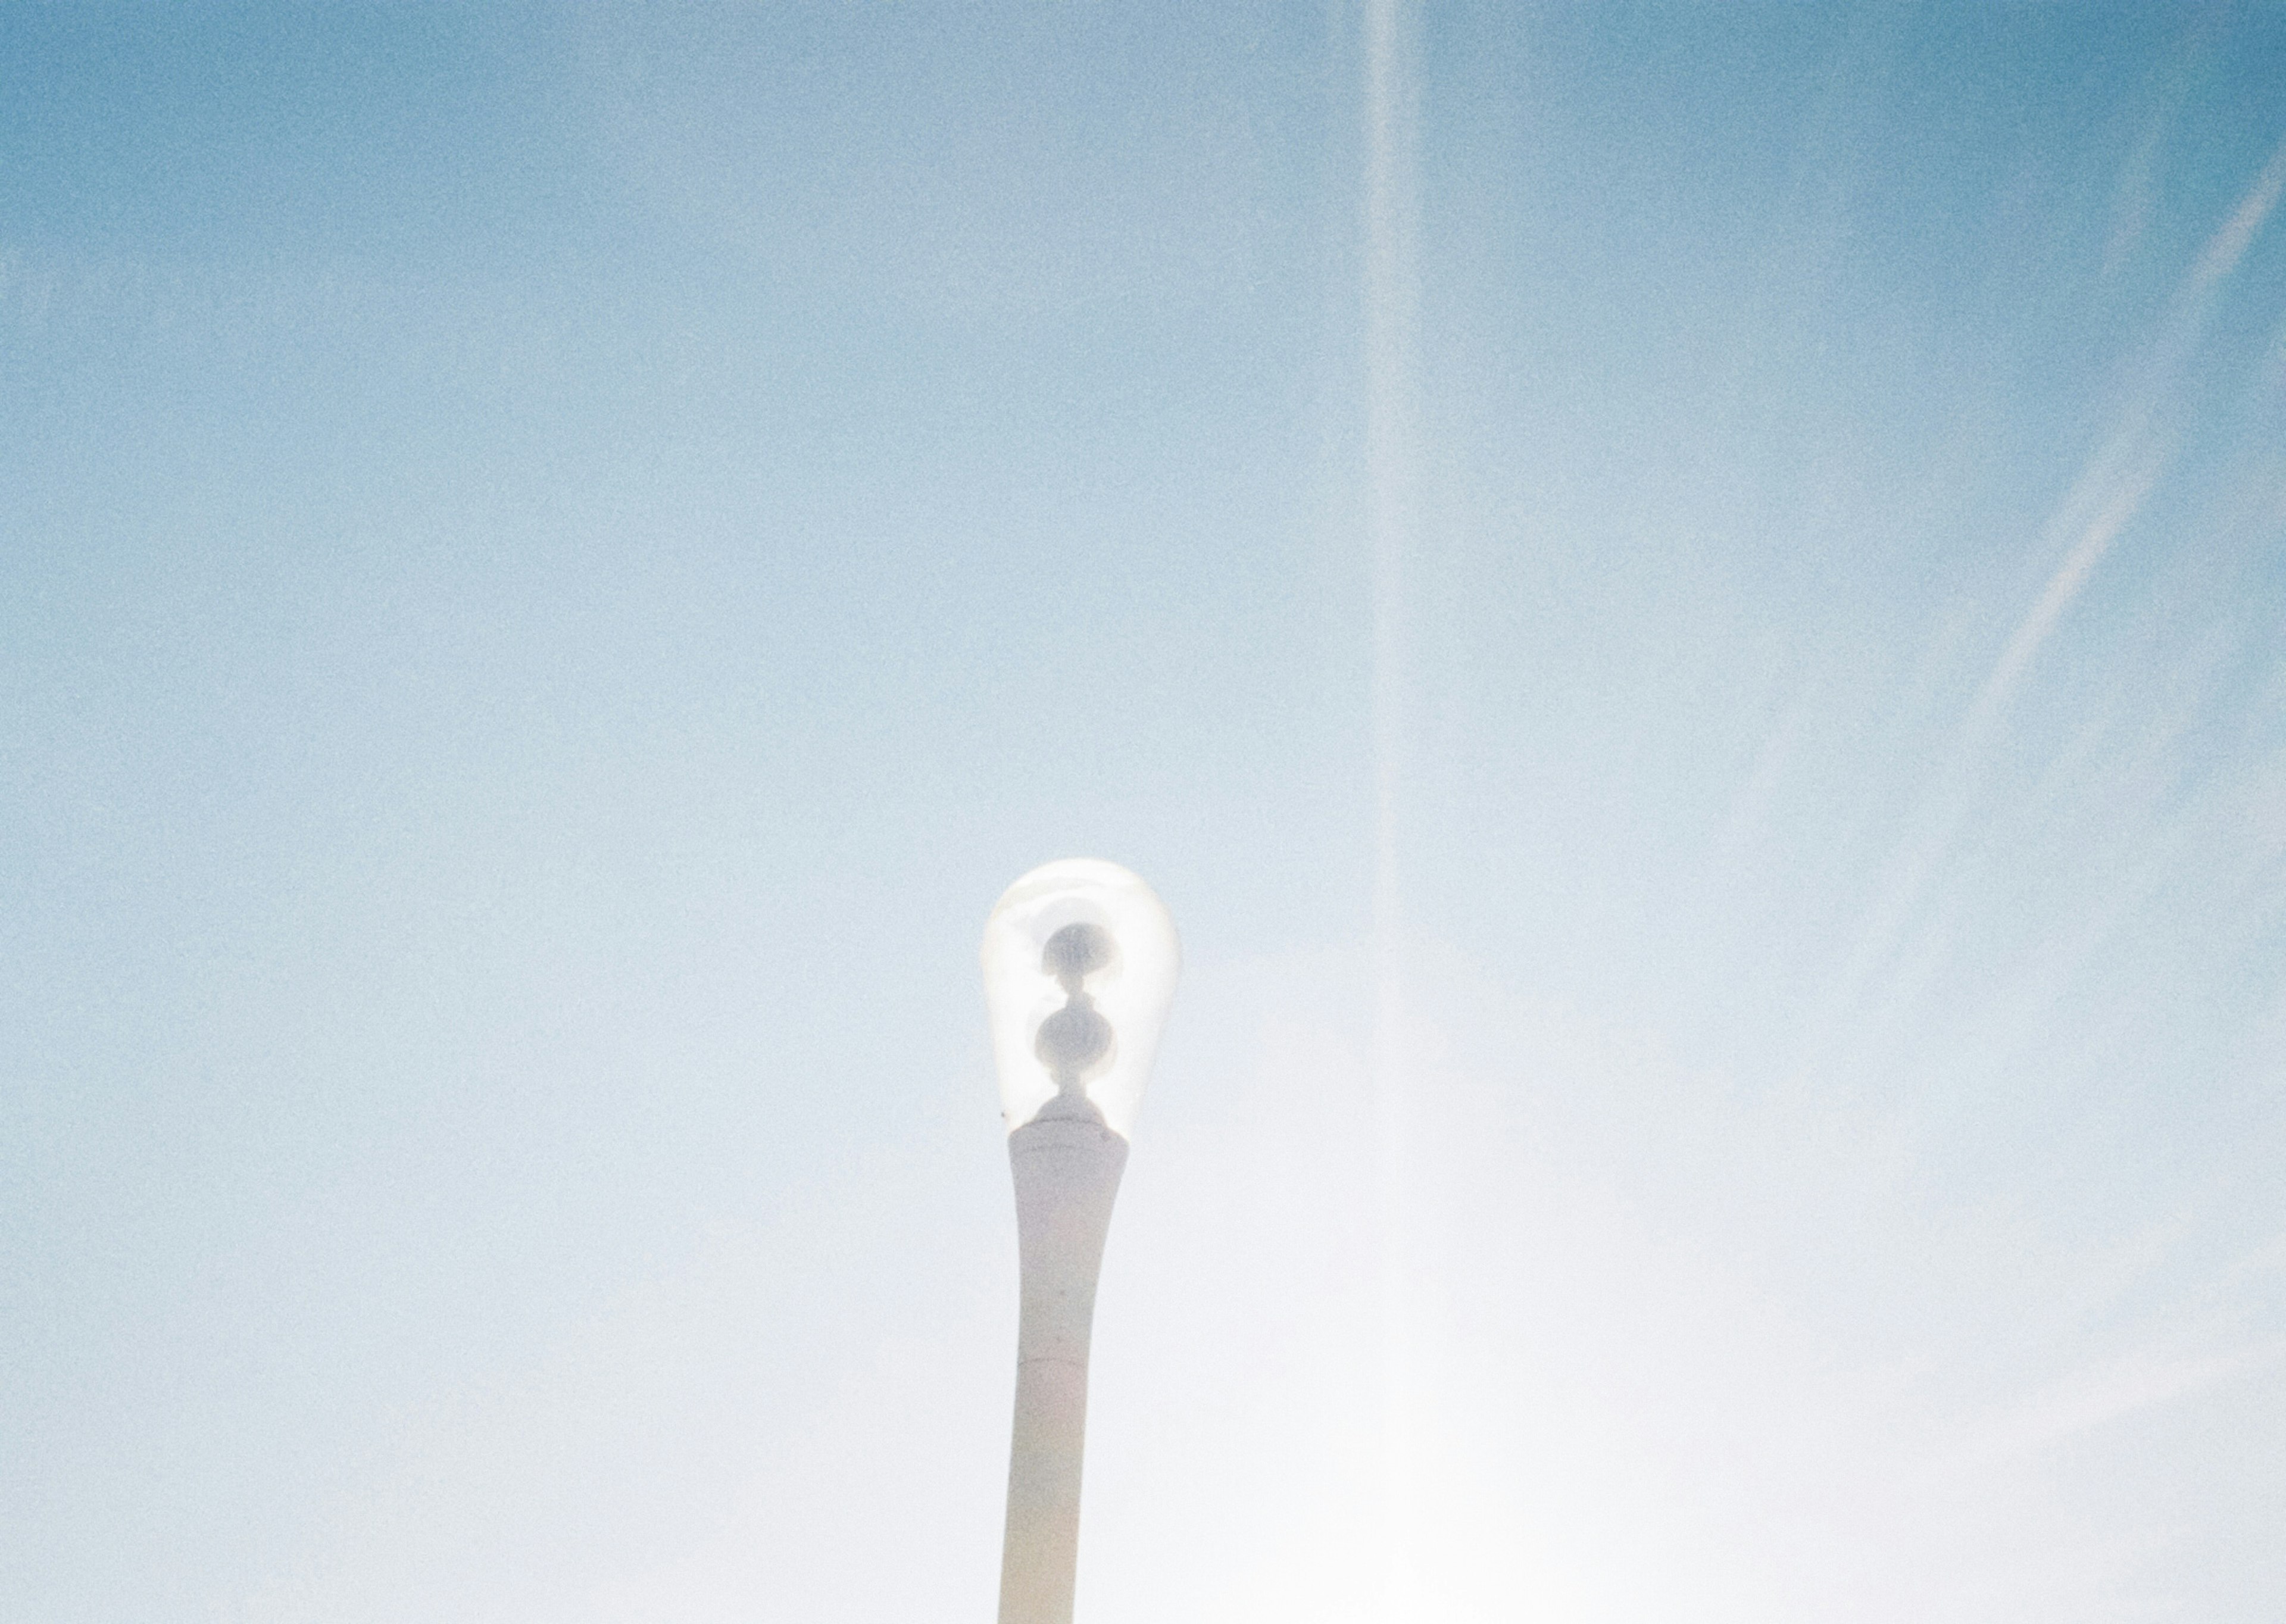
column 1080, row 961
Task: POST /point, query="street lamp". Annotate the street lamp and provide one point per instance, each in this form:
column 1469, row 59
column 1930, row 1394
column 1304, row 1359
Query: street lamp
column 1080, row 960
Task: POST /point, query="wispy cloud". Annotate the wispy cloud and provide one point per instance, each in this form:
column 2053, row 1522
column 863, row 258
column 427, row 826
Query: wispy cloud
column 2110, row 1390
column 2114, row 483
column 2103, row 501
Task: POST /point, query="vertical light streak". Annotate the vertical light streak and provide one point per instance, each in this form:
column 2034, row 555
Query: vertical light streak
column 1391, row 475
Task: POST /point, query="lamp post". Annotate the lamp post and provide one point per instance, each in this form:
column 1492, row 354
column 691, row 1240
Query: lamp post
column 1080, row 960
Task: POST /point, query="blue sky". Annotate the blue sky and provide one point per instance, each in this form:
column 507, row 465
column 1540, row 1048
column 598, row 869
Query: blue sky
column 553, row 565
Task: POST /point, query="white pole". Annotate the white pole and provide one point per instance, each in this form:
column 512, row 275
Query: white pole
column 1067, row 1169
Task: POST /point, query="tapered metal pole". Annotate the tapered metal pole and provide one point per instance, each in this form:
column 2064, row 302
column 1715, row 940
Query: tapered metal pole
column 1067, row 1169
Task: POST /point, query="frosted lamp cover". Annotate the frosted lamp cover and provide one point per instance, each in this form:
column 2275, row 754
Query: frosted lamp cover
column 1080, row 960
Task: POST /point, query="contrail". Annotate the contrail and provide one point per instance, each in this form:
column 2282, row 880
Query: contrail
column 1392, row 464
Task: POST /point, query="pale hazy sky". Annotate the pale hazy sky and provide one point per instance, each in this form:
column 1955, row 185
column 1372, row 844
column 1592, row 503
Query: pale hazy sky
column 554, row 562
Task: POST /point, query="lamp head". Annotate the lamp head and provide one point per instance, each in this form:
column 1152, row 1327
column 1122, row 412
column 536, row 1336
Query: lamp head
column 1080, row 960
